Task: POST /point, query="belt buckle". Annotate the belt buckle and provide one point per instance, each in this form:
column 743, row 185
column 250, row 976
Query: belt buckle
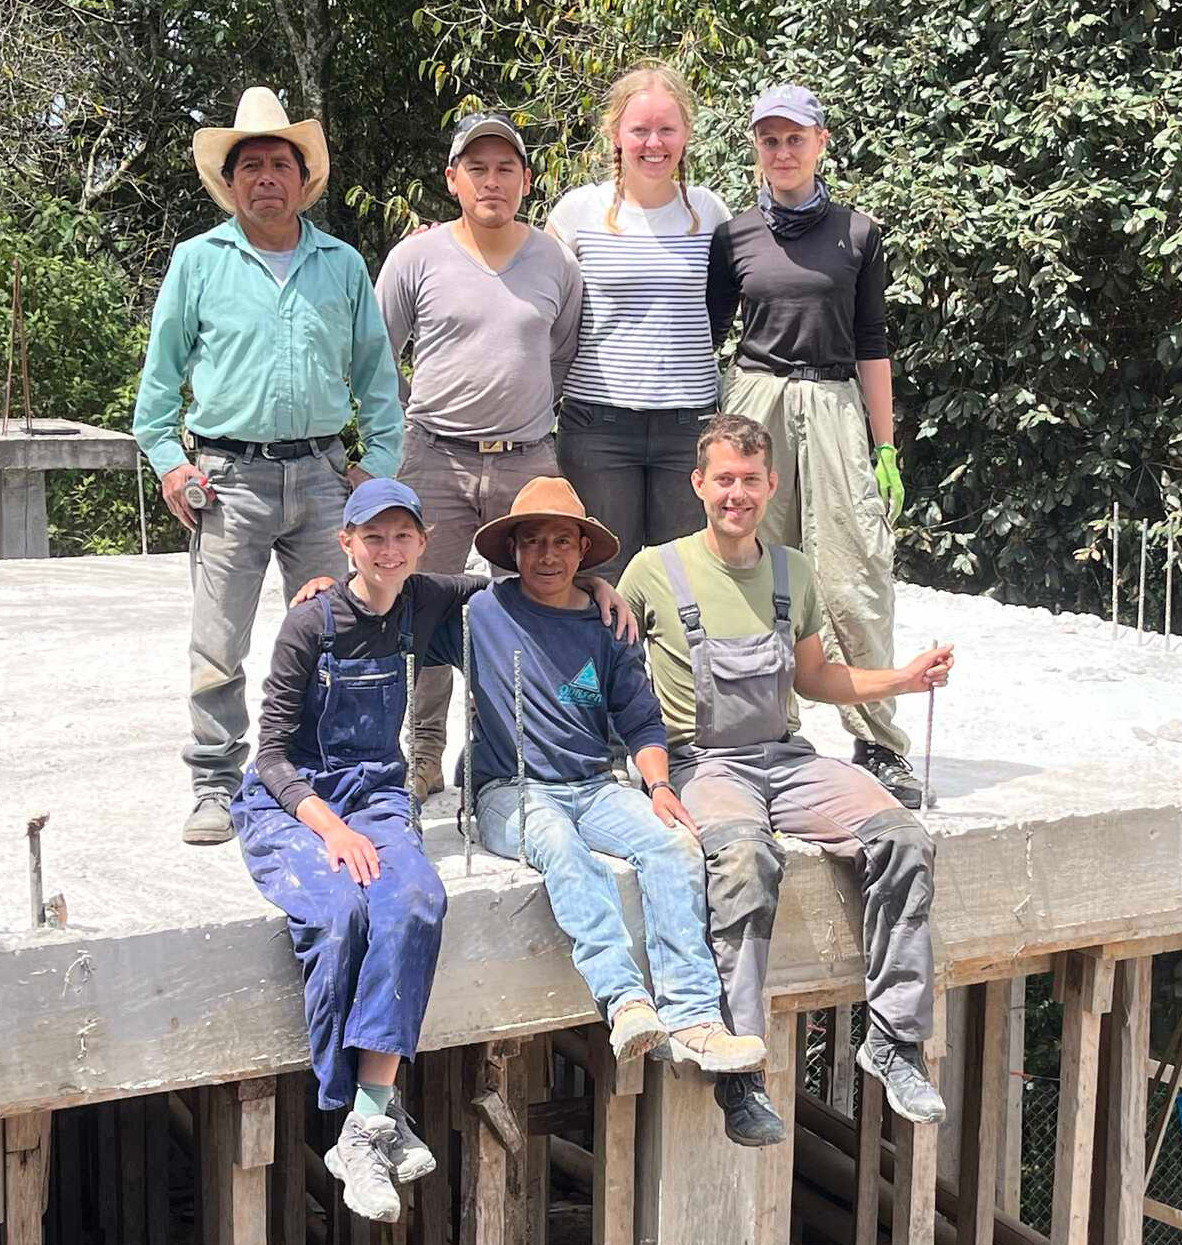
column 495, row 447
column 265, row 451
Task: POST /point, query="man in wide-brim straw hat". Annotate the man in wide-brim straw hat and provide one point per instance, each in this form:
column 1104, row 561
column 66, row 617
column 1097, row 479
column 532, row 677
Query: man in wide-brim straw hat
column 574, row 674
column 274, row 326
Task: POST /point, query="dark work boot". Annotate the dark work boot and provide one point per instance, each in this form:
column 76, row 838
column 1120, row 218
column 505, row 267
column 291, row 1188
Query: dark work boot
column 892, row 770
column 901, row 1068
column 751, row 1120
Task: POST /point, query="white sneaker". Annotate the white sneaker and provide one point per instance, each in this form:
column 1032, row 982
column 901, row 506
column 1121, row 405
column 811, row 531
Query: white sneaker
column 359, row 1161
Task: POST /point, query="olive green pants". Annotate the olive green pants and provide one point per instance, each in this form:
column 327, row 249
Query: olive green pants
column 827, row 505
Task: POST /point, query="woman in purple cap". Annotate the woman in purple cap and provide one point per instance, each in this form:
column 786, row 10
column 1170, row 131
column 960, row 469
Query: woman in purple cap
column 812, row 365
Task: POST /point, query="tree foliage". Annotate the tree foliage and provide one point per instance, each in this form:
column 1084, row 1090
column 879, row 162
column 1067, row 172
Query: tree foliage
column 1023, row 160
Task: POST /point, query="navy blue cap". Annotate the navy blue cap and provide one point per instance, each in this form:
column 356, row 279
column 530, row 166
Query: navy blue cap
column 380, row 494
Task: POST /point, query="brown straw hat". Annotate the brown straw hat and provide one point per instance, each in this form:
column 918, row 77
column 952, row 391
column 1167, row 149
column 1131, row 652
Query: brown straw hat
column 545, row 497
column 260, row 115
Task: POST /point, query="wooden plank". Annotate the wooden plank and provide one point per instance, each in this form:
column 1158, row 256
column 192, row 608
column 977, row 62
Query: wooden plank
column 1009, row 1158
column 156, row 1117
column 1084, row 986
column 538, row 1079
column 2, row 1167
column 1007, row 893
column 773, row 1175
column 613, row 1206
column 1162, row 1213
column 133, row 1152
column 516, row 1087
column 71, row 1184
column 869, row 1141
column 485, row 1160
column 1124, row 1170
column 952, row 1085
column 25, row 1157
column 288, row 1207
column 914, row 1220
column 986, row 1028
column 107, row 1168
column 842, row 1087
column 433, row 1208
column 254, row 1123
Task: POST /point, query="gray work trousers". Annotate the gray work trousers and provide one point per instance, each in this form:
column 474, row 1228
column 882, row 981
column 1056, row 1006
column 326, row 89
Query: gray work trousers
column 741, row 799
column 461, row 489
column 292, row 507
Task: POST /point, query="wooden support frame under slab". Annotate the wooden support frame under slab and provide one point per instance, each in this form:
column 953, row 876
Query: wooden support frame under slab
column 1128, row 1048
column 26, row 1175
column 986, row 1071
column 914, row 1220
column 613, row 1207
column 773, row 1174
column 1083, row 984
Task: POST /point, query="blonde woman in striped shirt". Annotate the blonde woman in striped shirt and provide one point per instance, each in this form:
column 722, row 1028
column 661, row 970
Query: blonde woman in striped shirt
column 644, row 377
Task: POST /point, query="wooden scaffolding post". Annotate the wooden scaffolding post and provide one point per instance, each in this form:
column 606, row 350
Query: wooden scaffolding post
column 1124, row 1166
column 235, row 1141
column 773, row 1173
column 288, row 1203
column 869, row 1144
column 492, row 1133
column 985, row 1075
column 538, row 1061
column 432, row 1219
column 614, row 1192
column 1083, row 984
column 915, row 1156
column 26, row 1167
column 1009, row 1158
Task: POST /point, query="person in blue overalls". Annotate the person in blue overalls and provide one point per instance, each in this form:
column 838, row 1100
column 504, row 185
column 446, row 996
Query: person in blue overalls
column 323, row 820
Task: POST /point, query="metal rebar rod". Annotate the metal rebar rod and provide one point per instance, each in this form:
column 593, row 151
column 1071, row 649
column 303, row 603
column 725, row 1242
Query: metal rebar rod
column 139, row 485
column 467, row 796
column 1169, row 581
column 1141, row 583
column 1115, row 564
column 411, row 742
column 16, row 276
column 36, row 893
column 519, row 723
column 927, row 756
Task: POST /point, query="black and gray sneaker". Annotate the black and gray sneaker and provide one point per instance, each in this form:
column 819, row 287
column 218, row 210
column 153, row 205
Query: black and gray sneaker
column 904, row 1075
column 407, row 1155
column 892, row 770
column 750, row 1118
column 359, row 1161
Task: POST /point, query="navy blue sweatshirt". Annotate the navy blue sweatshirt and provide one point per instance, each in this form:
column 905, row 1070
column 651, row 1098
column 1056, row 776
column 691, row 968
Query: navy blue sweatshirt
column 574, row 674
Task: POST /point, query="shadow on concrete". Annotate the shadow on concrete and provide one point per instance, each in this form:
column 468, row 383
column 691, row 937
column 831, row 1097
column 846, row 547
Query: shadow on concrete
column 957, row 776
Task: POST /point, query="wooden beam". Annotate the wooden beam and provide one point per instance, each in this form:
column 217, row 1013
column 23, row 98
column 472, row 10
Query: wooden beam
column 1009, row 1159
column 869, row 1141
column 485, row 1160
column 26, row 1154
column 1124, row 1170
column 1162, row 1213
column 539, row 1063
column 1083, row 984
column 133, row 1201
column 613, row 1207
column 952, row 1085
column 986, row 1068
column 773, row 1173
column 433, row 1206
column 288, row 1205
column 916, row 1153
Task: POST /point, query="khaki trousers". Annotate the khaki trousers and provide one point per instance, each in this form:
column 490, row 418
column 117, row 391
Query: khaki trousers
column 827, row 505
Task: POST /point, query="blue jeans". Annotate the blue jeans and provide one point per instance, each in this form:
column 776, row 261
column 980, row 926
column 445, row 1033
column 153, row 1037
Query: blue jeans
column 564, row 824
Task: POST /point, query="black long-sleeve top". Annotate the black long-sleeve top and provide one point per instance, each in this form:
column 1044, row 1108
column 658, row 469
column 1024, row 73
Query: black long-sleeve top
column 360, row 633
column 813, row 301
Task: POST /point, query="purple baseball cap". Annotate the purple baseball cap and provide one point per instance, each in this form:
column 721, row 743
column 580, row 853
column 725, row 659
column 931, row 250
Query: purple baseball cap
column 379, row 494
column 796, row 103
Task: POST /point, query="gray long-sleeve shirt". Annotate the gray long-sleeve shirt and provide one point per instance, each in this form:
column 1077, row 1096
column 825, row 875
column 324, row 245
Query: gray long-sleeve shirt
column 491, row 349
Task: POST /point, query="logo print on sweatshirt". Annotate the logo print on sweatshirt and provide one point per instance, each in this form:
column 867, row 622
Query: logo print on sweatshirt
column 583, row 689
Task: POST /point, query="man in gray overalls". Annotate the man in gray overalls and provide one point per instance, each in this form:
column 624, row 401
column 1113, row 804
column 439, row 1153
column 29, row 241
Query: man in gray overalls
column 733, row 628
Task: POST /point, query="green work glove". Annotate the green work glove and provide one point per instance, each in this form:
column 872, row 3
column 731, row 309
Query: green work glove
column 890, row 482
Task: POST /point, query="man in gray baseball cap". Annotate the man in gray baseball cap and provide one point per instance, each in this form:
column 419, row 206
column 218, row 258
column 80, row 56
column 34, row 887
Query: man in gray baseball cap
column 491, row 306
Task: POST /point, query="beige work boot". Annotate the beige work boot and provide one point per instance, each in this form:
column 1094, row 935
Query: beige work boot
column 428, row 778
column 636, row 1029
column 715, row 1049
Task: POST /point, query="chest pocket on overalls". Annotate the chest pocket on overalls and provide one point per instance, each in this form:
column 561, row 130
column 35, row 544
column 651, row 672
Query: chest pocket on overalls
column 741, row 685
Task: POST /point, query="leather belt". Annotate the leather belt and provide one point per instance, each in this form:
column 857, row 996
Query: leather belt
column 484, row 447
column 272, row 450
column 837, row 372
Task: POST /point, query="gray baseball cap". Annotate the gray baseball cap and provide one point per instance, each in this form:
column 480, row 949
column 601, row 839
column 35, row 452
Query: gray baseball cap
column 481, row 125
column 796, row 103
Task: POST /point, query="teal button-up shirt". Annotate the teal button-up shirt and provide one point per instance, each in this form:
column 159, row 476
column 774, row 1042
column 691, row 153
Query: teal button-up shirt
column 268, row 362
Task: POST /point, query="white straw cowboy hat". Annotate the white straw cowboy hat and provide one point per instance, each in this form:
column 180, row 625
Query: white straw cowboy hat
column 545, row 497
column 260, row 115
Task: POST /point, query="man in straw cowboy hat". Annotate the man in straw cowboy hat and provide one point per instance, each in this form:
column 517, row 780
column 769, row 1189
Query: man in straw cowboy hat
column 574, row 673
column 274, row 326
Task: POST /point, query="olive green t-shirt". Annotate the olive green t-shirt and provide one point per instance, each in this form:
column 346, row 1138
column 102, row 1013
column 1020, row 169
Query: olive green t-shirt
column 734, row 602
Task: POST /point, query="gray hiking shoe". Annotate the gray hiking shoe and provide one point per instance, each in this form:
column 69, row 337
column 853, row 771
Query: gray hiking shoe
column 209, row 823
column 904, row 1075
column 358, row 1161
column 407, row 1155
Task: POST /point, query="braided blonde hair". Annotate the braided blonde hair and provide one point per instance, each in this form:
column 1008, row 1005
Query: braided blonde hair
column 644, row 77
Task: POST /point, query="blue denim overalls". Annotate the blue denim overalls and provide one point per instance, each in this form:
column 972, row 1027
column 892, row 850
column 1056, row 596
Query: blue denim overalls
column 368, row 953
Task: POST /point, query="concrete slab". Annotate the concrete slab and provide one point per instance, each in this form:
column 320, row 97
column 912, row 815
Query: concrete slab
column 1060, row 824
column 61, row 444
column 1046, row 717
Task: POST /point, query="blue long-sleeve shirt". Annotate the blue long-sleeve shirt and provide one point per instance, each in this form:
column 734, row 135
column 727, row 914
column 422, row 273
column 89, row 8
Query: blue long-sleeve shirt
column 574, row 674
column 268, row 362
